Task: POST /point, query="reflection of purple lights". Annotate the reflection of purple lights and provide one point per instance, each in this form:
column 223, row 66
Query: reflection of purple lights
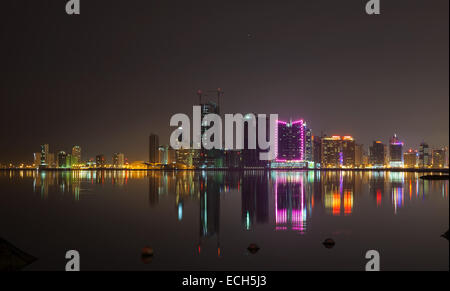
column 293, row 213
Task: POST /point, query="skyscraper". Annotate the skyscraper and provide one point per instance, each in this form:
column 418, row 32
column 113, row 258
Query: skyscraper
column 359, row 155
column 44, row 155
column 208, row 158
column 438, row 158
column 410, row 159
column 51, row 163
column 308, row 144
column 338, row 151
column 290, row 141
column 36, row 159
column 118, row 160
column 395, row 152
column 100, row 161
column 62, row 159
column 424, row 155
column 76, row 155
column 317, row 150
column 153, row 155
column 377, row 154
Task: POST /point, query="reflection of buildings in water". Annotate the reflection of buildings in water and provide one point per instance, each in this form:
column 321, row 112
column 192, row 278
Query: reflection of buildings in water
column 292, row 201
column 209, row 207
column 377, row 186
column 45, row 182
column 255, row 199
column 153, row 187
column 397, row 181
column 339, row 192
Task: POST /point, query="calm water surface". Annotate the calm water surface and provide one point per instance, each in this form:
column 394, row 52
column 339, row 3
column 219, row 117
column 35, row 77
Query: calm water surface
column 206, row 220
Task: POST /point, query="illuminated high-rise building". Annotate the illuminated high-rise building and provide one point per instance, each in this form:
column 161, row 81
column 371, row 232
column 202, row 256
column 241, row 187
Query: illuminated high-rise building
column 395, row 152
column 348, row 151
column 424, row 155
column 377, row 154
column 338, row 152
column 359, row 155
column 153, row 155
column 62, row 156
column 44, row 155
column 100, row 161
column 118, row 160
column 36, row 159
column 291, row 141
column 410, row 159
column 76, row 155
column 438, row 157
column 309, row 154
column 69, row 161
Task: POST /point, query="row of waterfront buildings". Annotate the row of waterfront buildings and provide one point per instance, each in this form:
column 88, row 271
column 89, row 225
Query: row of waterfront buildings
column 45, row 159
column 299, row 149
column 296, row 148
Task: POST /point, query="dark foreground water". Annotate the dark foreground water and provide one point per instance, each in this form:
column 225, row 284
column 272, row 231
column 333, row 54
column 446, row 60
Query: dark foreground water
column 206, row 220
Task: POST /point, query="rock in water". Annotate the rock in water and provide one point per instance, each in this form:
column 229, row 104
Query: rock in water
column 147, row 255
column 13, row 259
column 253, row 248
column 329, row 243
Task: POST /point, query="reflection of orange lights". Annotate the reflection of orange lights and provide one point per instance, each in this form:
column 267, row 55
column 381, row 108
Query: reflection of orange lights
column 218, row 252
column 410, row 189
column 336, row 204
column 378, row 197
column 348, row 203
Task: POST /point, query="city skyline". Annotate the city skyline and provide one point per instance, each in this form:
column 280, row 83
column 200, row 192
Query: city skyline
column 353, row 74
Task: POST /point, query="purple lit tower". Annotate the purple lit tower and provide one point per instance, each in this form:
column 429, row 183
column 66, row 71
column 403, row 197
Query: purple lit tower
column 291, row 141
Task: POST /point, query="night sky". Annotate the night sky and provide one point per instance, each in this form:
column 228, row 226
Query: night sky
column 107, row 78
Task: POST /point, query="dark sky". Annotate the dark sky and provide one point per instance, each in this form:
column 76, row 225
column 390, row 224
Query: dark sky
column 107, row 78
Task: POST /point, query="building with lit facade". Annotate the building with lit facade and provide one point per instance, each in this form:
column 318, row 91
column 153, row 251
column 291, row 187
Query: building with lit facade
column 309, row 149
column 438, row 157
column 317, row 150
column 36, row 159
column 338, row 152
column 395, row 152
column 100, row 161
column 359, row 156
column 377, row 154
column 44, row 155
column 62, row 156
column 425, row 157
column 410, row 159
column 291, row 145
column 118, row 160
column 76, row 155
